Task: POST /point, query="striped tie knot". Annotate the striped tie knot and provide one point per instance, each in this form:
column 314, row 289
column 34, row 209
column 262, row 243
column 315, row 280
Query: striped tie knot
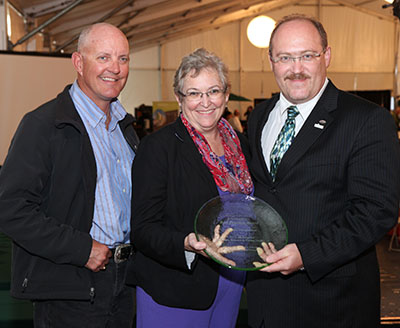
column 292, row 112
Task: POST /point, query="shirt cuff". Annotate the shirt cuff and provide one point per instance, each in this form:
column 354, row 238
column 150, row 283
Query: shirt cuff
column 189, row 258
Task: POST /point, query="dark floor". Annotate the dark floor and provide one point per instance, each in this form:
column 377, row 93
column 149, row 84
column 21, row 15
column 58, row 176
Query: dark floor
column 389, row 262
column 18, row 314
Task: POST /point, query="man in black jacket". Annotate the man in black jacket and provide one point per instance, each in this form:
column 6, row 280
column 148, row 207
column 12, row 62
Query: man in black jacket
column 65, row 194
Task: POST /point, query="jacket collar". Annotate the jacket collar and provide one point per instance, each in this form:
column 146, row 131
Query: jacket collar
column 66, row 112
column 126, row 126
column 191, row 154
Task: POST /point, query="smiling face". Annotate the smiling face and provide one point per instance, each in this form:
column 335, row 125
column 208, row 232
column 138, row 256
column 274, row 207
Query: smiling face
column 299, row 81
column 102, row 64
column 204, row 114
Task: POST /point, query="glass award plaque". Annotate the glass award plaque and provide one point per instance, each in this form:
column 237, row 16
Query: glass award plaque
column 234, row 226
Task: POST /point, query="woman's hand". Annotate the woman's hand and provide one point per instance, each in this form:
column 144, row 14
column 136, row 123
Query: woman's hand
column 193, row 245
column 213, row 247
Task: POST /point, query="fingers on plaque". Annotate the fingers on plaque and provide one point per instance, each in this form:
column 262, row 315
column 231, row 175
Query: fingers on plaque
column 231, row 249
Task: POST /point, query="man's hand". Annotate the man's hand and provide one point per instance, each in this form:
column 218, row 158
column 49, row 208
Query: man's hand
column 266, row 250
column 99, row 257
column 286, row 261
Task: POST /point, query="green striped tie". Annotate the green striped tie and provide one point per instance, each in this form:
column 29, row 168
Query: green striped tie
column 284, row 140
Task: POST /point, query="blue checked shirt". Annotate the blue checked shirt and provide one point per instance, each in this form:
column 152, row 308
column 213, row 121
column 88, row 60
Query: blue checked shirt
column 114, row 157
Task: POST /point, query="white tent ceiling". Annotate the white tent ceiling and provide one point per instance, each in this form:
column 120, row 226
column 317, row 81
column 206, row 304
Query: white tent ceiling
column 152, row 22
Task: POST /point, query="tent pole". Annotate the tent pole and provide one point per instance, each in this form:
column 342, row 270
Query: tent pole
column 46, row 23
column 319, row 8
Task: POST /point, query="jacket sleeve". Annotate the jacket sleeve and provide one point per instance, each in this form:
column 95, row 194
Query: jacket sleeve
column 153, row 232
column 24, row 178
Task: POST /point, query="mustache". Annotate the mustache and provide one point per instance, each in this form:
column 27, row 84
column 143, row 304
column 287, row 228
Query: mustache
column 297, row 76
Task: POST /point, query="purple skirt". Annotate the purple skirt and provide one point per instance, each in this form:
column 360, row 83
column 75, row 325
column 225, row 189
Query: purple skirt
column 222, row 313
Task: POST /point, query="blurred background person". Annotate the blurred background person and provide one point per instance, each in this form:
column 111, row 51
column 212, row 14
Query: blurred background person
column 246, row 119
column 234, row 120
column 248, row 112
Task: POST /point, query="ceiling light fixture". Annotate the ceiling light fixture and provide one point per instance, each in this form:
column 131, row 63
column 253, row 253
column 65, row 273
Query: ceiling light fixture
column 259, row 31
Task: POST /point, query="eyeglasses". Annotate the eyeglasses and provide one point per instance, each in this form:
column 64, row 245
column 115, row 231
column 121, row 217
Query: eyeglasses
column 307, row 57
column 213, row 94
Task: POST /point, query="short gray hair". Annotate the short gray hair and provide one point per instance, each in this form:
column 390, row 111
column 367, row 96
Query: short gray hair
column 197, row 61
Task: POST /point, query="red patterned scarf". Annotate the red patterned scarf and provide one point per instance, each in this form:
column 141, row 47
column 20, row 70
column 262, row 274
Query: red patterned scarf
column 234, row 177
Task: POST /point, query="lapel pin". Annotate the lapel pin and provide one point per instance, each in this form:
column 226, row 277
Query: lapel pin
column 320, row 124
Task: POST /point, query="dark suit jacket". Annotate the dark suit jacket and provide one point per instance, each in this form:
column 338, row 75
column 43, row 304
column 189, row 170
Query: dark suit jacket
column 338, row 189
column 171, row 183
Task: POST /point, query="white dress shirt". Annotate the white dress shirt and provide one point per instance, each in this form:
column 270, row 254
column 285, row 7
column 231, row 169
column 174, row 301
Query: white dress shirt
column 277, row 119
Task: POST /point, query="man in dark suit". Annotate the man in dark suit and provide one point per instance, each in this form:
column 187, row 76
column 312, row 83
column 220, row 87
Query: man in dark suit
column 328, row 162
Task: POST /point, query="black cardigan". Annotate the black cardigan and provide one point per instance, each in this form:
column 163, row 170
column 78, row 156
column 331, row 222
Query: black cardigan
column 171, row 183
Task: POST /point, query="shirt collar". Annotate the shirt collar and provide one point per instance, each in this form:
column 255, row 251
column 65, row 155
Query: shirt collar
column 304, row 108
column 91, row 112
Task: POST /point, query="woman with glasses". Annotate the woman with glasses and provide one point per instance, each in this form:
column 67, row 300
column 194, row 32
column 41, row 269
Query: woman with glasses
column 176, row 170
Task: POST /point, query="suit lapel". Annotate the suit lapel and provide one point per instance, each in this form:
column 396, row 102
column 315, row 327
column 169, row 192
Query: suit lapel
column 316, row 124
column 259, row 168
